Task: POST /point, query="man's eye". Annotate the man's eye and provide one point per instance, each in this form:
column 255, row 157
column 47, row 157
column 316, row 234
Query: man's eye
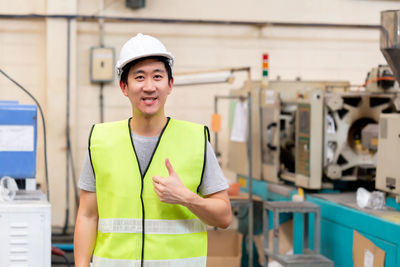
column 158, row 77
column 139, row 78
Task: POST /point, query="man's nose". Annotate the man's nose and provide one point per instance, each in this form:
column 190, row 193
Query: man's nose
column 149, row 85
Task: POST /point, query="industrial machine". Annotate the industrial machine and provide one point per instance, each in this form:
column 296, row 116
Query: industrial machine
column 25, row 228
column 318, row 134
column 315, row 133
column 388, row 172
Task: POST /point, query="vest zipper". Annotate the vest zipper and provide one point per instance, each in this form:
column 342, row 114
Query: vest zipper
column 206, row 138
column 142, row 178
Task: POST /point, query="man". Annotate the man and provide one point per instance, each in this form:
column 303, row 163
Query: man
column 150, row 183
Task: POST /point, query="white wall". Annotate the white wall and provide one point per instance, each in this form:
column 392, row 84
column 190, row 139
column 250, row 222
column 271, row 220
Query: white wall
column 34, row 53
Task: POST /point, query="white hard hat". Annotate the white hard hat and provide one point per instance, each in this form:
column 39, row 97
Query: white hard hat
column 141, row 46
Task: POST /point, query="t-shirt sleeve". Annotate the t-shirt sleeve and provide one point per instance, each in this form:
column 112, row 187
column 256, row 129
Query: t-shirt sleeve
column 213, row 180
column 86, row 179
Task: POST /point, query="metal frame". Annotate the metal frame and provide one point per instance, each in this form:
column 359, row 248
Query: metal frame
column 310, row 257
column 249, row 153
column 246, row 202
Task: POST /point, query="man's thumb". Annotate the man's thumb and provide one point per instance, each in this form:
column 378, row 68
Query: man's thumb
column 170, row 169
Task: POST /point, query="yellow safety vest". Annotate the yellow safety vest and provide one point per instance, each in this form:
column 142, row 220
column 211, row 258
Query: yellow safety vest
column 135, row 228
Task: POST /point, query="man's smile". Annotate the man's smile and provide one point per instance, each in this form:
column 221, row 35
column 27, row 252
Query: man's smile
column 149, row 100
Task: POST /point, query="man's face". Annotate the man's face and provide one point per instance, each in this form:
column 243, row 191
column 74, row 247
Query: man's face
column 147, row 87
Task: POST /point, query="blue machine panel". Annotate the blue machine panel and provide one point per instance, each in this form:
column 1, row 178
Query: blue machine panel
column 17, row 140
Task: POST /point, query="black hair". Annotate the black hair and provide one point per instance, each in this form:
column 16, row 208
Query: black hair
column 127, row 67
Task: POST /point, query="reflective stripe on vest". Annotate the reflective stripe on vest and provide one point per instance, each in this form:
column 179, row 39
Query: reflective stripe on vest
column 152, row 226
column 134, row 224
column 188, row 262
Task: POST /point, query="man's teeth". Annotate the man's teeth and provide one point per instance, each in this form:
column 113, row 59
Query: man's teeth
column 149, row 99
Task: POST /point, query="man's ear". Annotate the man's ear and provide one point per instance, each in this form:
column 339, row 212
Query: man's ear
column 170, row 84
column 124, row 87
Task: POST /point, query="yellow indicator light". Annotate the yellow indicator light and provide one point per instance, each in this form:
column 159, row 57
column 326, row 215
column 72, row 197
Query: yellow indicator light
column 242, row 181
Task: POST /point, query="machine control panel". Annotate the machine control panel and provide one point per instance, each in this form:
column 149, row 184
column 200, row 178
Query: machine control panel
column 303, row 140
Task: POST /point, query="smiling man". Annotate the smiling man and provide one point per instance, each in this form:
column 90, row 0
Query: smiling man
column 149, row 184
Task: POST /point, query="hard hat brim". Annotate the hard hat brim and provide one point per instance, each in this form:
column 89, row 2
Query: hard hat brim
column 121, row 65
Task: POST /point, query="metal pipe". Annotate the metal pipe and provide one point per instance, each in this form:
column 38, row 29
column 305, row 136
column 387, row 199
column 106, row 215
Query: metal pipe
column 231, row 97
column 101, row 98
column 317, row 231
column 67, row 128
column 215, row 133
column 101, row 23
column 276, row 232
column 250, row 180
column 101, row 40
column 192, row 21
column 265, row 232
column 213, row 70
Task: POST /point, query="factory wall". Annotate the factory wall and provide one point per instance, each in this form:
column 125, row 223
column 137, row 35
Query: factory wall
column 34, row 52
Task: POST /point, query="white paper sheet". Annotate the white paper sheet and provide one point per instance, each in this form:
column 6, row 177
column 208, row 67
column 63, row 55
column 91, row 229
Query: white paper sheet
column 368, row 258
column 269, row 97
column 16, row 138
column 239, row 127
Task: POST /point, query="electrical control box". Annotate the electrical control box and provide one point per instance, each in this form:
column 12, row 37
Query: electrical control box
column 102, row 64
column 135, row 4
column 18, row 140
column 25, row 233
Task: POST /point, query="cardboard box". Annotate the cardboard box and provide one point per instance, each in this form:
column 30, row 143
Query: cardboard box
column 224, row 248
column 285, row 241
column 366, row 253
column 285, row 237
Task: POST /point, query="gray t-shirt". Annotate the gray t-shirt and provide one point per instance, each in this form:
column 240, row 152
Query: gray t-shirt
column 213, row 179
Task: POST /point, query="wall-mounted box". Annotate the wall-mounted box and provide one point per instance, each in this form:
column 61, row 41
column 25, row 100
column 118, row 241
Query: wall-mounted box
column 135, row 4
column 102, row 61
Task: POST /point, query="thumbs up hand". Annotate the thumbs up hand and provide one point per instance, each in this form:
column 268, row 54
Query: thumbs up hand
column 171, row 189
